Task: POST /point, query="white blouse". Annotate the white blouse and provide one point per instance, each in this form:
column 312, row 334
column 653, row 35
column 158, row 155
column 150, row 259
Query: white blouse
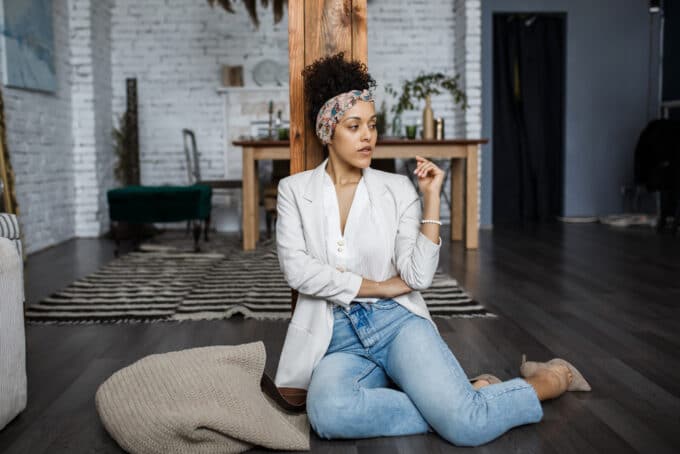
column 362, row 250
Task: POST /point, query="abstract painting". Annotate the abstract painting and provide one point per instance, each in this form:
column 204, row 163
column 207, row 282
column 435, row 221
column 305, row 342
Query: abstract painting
column 28, row 45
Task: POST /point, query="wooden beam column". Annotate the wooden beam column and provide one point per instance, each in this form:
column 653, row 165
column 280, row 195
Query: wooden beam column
column 318, row 28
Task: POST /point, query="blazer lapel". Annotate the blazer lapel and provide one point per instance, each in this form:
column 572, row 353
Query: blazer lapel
column 376, row 188
column 312, row 211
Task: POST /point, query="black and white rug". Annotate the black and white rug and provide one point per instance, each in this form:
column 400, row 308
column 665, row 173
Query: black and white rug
column 164, row 282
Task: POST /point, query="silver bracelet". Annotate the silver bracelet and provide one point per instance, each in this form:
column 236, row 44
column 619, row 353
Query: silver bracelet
column 430, row 221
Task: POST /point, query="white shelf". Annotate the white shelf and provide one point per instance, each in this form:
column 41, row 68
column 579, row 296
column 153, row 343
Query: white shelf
column 224, row 90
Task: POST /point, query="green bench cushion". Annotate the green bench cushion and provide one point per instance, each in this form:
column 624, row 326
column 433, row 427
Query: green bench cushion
column 159, row 203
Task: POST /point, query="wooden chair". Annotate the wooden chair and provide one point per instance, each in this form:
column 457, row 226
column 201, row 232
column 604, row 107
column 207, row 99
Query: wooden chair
column 280, row 169
column 192, row 156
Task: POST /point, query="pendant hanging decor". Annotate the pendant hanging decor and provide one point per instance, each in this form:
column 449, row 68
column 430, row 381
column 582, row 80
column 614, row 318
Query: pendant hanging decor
column 251, row 7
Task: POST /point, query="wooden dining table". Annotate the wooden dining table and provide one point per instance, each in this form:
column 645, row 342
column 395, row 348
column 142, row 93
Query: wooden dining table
column 463, row 154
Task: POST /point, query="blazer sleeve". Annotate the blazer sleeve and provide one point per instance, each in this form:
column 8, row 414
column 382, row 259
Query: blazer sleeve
column 305, row 273
column 416, row 255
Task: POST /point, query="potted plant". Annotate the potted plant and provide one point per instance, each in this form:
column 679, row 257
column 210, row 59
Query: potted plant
column 421, row 88
column 381, row 120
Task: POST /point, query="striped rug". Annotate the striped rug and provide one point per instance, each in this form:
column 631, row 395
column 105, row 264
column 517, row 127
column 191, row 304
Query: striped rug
column 166, row 284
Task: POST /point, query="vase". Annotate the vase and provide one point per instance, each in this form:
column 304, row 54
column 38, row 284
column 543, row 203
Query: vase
column 428, row 120
column 396, row 126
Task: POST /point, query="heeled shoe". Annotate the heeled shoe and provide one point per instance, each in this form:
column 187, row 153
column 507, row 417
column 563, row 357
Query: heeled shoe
column 492, row 379
column 578, row 383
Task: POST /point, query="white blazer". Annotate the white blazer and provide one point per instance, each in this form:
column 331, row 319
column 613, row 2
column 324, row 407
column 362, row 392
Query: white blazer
column 302, row 251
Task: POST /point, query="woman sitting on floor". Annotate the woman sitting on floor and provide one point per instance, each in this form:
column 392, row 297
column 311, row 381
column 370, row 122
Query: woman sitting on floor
column 362, row 347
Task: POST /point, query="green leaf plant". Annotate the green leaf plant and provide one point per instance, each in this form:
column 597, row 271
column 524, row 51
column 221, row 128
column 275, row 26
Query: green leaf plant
column 425, row 85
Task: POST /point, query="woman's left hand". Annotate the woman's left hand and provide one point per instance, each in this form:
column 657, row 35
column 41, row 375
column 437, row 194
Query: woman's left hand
column 430, row 177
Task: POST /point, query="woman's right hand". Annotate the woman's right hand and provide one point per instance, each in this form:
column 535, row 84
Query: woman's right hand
column 394, row 286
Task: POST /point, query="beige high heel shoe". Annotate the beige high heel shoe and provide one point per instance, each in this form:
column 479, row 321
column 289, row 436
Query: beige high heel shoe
column 578, row 383
column 492, row 379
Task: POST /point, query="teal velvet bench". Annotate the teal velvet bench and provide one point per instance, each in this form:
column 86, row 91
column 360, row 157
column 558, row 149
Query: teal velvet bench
column 150, row 204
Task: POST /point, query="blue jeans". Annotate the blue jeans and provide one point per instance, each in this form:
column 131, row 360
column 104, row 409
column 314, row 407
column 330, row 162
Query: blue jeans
column 387, row 372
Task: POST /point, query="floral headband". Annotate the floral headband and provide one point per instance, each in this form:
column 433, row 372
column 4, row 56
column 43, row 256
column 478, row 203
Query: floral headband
column 332, row 111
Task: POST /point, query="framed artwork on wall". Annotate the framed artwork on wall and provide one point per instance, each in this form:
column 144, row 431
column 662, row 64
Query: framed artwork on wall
column 27, row 41
column 232, row 76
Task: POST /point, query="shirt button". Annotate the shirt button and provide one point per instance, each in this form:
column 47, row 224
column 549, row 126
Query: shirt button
column 341, row 243
column 340, row 249
column 340, row 268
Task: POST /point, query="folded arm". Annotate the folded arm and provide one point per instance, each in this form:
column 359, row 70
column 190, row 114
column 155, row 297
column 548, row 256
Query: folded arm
column 303, row 272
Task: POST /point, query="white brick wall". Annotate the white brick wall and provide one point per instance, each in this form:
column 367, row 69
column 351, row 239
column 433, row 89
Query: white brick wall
column 175, row 49
column 101, row 45
column 468, row 63
column 60, row 144
column 40, row 147
column 406, row 38
column 90, row 44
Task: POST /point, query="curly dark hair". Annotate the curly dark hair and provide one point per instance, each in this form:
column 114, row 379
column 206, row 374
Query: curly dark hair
column 330, row 76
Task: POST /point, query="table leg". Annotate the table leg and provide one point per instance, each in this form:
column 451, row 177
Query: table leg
column 249, row 203
column 471, row 203
column 457, row 198
column 197, row 234
column 256, row 198
column 115, row 232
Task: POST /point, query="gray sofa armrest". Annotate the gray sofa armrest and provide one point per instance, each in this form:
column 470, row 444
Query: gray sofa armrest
column 9, row 228
column 13, row 392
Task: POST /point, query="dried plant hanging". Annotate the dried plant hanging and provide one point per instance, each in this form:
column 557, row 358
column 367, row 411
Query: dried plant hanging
column 123, row 169
column 251, row 7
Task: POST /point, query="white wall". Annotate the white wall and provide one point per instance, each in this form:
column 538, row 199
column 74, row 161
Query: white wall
column 40, row 145
column 175, row 50
column 468, row 63
column 101, row 45
column 406, row 38
column 90, row 43
column 60, row 144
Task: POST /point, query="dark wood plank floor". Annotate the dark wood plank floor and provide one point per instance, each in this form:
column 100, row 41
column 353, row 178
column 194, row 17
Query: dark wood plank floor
column 606, row 299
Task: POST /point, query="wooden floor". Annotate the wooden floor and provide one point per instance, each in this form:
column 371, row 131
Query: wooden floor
column 606, row 299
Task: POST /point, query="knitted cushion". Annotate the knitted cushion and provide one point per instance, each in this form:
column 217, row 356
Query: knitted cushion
column 159, row 203
column 201, row 400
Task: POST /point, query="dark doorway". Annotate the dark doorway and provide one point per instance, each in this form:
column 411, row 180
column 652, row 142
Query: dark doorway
column 528, row 117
